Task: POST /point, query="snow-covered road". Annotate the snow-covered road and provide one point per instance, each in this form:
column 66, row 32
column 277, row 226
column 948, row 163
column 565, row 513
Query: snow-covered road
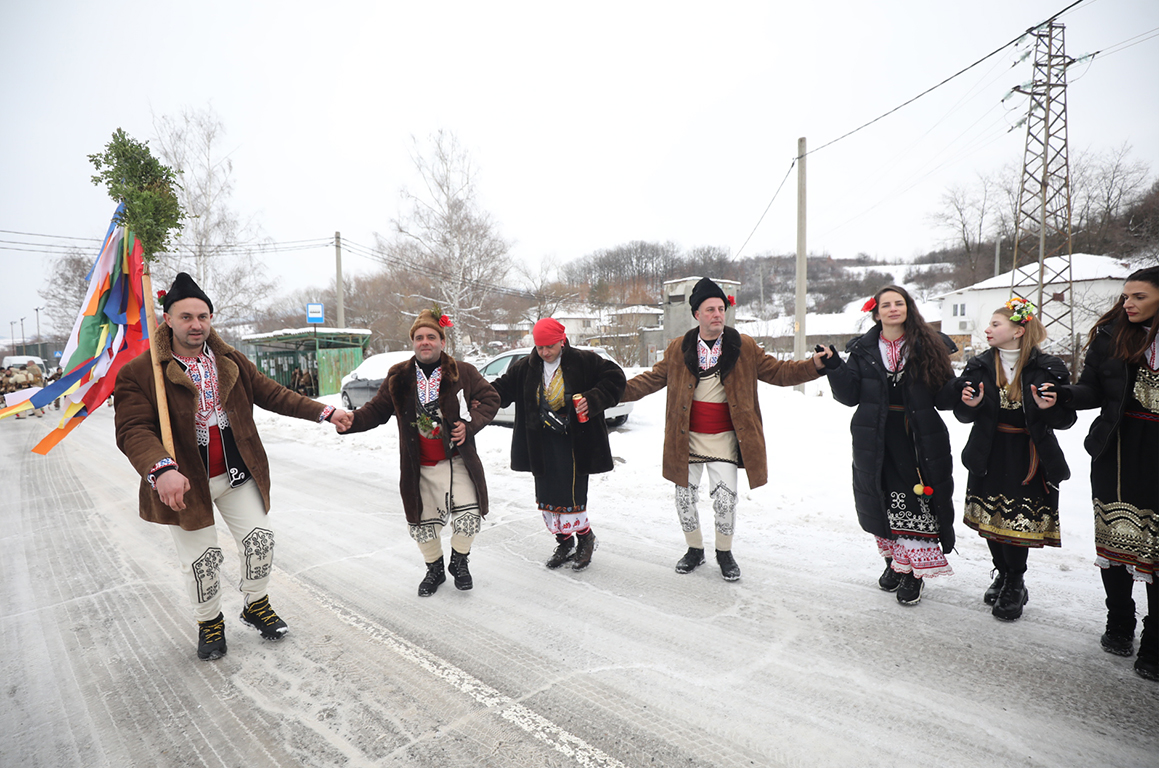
column 804, row 662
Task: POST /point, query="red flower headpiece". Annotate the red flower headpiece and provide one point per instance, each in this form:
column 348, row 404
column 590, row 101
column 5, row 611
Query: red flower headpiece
column 445, row 322
column 161, row 298
column 732, row 301
column 870, row 305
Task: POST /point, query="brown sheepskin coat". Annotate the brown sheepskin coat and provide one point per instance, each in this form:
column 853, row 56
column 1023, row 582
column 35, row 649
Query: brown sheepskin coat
column 742, row 365
column 240, row 385
column 398, row 396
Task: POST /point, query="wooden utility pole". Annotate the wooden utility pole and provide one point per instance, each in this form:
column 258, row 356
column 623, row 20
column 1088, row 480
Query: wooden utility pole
column 802, row 271
column 338, row 281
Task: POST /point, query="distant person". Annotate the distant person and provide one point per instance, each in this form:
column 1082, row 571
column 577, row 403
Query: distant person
column 1016, row 465
column 1120, row 376
column 55, row 377
column 441, row 478
column 219, row 460
column 560, row 436
column 713, row 424
column 903, row 474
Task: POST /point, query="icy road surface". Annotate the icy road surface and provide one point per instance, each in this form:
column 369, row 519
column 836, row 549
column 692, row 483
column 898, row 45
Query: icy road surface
column 803, row 662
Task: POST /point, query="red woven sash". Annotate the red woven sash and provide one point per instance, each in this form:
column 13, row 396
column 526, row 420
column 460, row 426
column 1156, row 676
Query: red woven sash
column 431, row 451
column 709, row 418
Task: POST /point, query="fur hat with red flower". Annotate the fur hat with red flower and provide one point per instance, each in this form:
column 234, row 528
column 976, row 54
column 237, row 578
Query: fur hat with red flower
column 432, row 318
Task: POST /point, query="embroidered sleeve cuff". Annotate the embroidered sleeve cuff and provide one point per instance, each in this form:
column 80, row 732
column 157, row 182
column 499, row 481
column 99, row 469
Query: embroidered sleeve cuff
column 158, row 469
column 326, row 414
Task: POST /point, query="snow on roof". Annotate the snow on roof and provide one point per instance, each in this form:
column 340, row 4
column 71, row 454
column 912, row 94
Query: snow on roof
column 1084, row 267
column 301, row 331
column 852, row 320
column 639, row 309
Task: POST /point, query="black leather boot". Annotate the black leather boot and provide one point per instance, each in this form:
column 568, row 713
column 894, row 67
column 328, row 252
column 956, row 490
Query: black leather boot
column 435, row 576
column 1013, row 596
column 990, row 596
column 728, row 567
column 584, row 550
column 458, row 569
column 693, row 559
column 564, row 551
column 1147, row 663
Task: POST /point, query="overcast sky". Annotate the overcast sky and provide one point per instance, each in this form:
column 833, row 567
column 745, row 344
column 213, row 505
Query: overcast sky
column 592, row 124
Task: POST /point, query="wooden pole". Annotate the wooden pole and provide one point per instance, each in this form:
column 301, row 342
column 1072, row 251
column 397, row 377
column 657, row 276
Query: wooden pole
column 158, row 377
column 799, row 339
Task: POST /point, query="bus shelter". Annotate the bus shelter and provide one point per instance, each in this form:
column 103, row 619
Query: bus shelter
column 309, row 360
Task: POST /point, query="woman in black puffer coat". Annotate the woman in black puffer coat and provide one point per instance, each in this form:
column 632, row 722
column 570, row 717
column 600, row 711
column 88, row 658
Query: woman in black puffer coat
column 903, row 483
column 1009, row 394
column 1121, row 377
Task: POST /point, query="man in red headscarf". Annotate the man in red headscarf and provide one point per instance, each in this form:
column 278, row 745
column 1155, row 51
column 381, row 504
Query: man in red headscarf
column 560, row 436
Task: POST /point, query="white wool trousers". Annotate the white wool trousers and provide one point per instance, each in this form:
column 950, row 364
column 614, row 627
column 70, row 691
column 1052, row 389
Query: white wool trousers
column 722, row 477
column 200, row 557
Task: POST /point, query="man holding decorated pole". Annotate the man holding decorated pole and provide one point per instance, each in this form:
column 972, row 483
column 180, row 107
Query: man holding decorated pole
column 217, row 456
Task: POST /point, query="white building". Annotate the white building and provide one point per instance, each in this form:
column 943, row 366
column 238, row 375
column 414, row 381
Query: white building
column 1097, row 280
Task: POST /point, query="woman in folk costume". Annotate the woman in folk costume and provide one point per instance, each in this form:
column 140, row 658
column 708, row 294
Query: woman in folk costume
column 1121, row 377
column 903, row 481
column 1015, row 462
column 560, row 436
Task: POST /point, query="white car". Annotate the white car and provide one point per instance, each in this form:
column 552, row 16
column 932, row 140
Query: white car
column 361, row 384
column 498, row 365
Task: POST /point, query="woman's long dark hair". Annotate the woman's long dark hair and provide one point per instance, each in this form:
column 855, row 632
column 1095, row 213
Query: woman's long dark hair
column 1128, row 340
column 923, row 348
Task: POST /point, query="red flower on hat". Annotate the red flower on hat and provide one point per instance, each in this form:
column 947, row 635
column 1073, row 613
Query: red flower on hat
column 161, row 298
column 870, row 305
column 732, row 301
column 445, row 322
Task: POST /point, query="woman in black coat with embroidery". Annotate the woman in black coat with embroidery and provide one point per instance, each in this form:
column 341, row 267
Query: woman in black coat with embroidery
column 1009, row 394
column 1121, row 377
column 903, row 481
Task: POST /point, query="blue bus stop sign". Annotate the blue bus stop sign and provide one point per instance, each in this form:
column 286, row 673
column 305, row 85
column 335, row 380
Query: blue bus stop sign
column 315, row 313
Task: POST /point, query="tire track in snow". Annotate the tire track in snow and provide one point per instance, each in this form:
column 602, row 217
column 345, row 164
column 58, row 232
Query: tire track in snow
column 534, row 724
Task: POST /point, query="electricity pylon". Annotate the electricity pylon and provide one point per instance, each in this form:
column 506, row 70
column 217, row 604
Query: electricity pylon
column 1042, row 228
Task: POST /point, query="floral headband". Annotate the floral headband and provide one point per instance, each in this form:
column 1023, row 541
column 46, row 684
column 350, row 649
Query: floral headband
column 1022, row 310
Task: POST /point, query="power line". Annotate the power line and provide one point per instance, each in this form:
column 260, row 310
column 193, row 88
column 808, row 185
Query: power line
column 933, row 88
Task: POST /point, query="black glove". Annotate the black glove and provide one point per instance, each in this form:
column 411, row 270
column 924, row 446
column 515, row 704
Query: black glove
column 832, row 362
column 1063, row 393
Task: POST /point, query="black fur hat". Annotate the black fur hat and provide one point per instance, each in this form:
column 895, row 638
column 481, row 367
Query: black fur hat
column 706, row 289
column 184, row 288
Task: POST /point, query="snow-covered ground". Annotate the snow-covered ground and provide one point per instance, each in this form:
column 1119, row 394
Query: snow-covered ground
column 803, row 662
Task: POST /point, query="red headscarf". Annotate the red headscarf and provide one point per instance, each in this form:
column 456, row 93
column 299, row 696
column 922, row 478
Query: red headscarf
column 548, row 331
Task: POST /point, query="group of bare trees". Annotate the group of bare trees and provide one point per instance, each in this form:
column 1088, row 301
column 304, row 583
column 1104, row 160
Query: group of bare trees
column 1105, row 189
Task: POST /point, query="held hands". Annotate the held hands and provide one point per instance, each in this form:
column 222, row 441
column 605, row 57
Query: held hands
column 826, row 358
column 342, row 420
column 459, row 433
column 969, row 397
column 1044, row 396
column 172, row 487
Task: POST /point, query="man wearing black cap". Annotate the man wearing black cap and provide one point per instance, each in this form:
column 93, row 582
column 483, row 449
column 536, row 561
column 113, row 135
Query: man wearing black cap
column 217, row 458
column 714, row 418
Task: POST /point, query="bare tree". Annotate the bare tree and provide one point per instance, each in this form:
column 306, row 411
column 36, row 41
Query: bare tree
column 447, row 240
column 545, row 287
column 65, row 289
column 216, row 246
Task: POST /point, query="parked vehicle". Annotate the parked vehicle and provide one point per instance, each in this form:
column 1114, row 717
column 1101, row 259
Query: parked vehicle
column 361, row 384
column 496, row 366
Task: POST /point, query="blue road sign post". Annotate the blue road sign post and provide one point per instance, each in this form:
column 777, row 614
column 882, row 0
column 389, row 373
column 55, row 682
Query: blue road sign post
column 315, row 313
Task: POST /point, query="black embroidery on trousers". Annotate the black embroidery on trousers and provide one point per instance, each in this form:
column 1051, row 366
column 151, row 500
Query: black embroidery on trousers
column 205, row 574
column 259, row 553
